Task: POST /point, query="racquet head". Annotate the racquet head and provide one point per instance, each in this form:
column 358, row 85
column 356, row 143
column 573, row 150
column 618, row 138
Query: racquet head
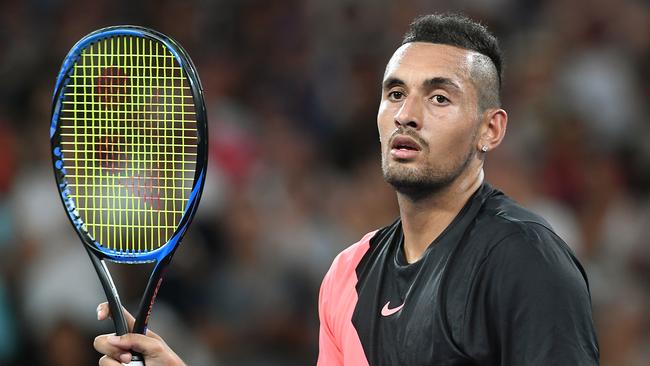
column 129, row 142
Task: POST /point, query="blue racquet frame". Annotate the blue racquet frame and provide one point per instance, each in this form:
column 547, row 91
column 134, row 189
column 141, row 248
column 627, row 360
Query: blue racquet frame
column 98, row 253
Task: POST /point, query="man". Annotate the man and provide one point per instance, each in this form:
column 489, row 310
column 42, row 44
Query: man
column 465, row 276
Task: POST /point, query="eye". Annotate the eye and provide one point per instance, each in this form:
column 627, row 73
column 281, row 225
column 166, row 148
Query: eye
column 440, row 99
column 395, row 95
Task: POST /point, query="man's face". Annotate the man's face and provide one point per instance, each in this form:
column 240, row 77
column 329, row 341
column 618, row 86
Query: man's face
column 428, row 117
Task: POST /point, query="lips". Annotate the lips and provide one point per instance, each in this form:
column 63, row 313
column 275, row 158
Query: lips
column 404, row 148
column 405, row 143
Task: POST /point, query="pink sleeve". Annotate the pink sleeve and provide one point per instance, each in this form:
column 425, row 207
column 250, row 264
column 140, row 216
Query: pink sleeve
column 329, row 353
column 339, row 343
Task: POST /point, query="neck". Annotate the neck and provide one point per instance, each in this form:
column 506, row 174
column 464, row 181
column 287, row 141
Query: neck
column 424, row 218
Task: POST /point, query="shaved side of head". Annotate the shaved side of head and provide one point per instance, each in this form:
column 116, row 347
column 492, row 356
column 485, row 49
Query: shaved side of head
column 460, row 31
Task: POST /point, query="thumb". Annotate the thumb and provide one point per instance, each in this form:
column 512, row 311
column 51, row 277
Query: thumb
column 103, row 312
column 147, row 346
column 155, row 351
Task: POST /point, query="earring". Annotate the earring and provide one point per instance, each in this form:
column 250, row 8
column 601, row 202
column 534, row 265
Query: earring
column 484, row 148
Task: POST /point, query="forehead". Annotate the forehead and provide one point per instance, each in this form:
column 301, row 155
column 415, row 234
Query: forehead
column 422, row 60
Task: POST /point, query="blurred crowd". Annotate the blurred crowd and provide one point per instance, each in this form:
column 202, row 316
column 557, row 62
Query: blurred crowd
column 292, row 90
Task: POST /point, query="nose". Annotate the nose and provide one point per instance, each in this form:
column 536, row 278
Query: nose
column 409, row 114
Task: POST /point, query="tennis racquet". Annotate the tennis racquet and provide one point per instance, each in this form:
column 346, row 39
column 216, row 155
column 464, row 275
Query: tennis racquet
column 129, row 148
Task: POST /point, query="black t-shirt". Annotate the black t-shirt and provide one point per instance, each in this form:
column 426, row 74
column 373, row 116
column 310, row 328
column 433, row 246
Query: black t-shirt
column 497, row 287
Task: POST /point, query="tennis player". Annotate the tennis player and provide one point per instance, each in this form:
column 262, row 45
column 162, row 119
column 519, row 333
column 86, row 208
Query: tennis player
column 464, row 276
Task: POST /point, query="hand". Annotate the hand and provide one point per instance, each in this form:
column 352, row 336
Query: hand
column 117, row 349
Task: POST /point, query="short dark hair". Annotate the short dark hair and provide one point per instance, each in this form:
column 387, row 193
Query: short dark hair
column 460, row 31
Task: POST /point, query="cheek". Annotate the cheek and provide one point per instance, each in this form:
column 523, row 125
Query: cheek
column 462, row 140
column 449, row 132
column 385, row 123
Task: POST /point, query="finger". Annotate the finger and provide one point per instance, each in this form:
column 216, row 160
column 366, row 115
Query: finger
column 147, row 346
column 113, row 351
column 107, row 361
column 103, row 312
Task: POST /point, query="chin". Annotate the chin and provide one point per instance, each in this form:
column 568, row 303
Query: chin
column 410, row 171
column 414, row 182
column 417, row 189
column 408, row 178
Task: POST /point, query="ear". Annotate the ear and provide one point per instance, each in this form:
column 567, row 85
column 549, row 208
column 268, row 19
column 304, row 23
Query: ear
column 492, row 129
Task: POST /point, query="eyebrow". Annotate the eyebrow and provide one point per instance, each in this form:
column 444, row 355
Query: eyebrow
column 391, row 82
column 432, row 83
column 441, row 82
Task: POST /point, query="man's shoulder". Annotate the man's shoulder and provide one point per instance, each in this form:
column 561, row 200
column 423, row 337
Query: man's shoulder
column 504, row 227
column 502, row 217
column 508, row 238
column 351, row 255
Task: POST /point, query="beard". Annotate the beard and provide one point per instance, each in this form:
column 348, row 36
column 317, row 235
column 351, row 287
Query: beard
column 424, row 181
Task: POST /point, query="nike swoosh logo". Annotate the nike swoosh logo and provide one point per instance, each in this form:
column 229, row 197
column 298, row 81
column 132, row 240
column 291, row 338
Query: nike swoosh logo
column 385, row 311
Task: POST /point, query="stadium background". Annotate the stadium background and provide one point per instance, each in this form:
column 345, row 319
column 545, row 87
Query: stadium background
column 292, row 89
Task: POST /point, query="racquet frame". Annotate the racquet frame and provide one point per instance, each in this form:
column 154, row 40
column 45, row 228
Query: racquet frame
column 97, row 253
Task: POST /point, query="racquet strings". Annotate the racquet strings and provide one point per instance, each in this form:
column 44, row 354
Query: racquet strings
column 129, row 142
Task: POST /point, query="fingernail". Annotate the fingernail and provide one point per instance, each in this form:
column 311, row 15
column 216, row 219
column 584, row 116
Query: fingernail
column 125, row 357
column 99, row 314
column 114, row 340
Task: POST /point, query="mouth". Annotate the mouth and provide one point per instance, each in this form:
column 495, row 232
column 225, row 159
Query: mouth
column 404, row 143
column 404, row 148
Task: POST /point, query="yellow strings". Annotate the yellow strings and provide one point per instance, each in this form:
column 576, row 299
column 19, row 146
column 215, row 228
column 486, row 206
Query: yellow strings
column 128, row 130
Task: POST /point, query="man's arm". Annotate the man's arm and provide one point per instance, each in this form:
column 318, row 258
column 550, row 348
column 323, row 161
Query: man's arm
column 338, row 340
column 329, row 353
